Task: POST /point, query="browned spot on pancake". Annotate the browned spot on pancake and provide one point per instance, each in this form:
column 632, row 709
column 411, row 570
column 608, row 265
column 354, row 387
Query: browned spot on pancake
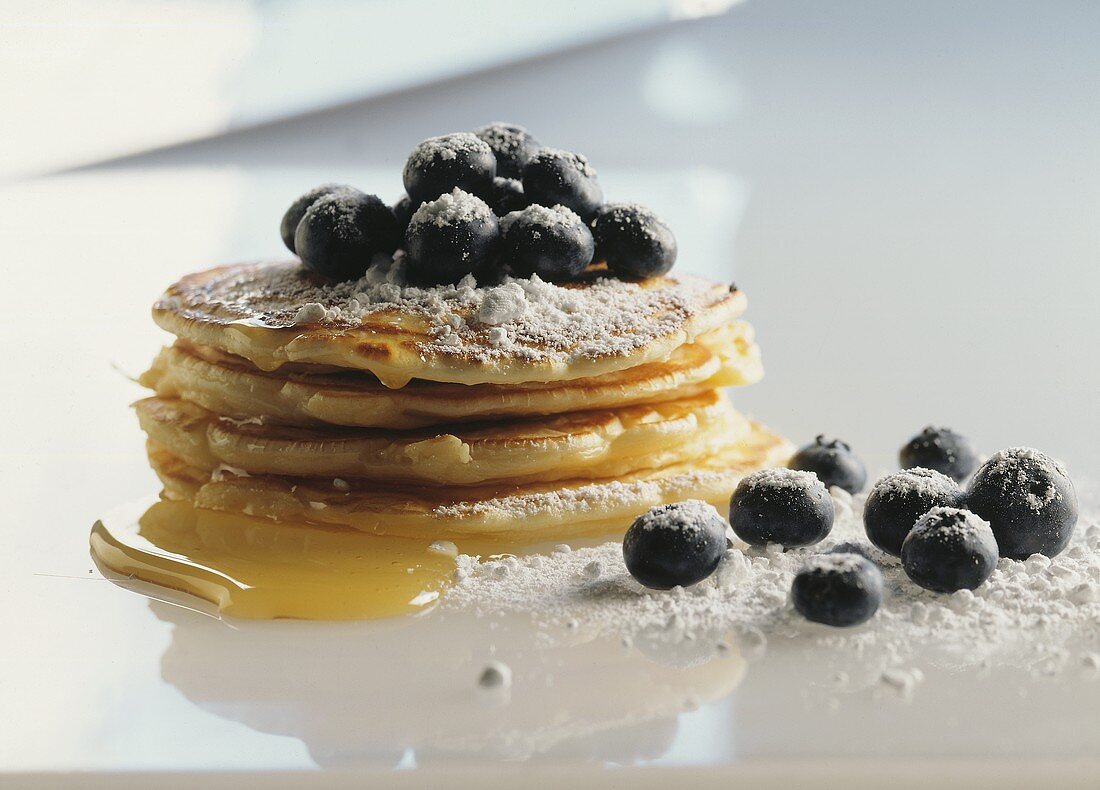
column 373, row 351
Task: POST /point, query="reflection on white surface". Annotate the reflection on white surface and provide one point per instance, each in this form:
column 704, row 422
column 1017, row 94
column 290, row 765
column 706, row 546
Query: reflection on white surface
column 376, row 692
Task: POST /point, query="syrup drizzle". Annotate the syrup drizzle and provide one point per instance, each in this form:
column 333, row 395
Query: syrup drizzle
column 242, row 566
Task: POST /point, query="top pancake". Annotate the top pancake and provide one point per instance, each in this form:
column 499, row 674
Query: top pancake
column 524, row 330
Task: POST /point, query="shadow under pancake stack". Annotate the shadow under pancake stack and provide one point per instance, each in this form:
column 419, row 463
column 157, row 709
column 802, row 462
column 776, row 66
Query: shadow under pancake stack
column 329, row 442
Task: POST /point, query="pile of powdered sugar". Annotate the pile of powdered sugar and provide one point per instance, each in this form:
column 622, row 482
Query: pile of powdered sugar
column 523, row 318
column 1041, row 613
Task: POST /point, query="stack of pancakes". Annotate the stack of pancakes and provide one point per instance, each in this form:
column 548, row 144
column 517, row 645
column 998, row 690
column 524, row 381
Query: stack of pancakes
column 524, row 411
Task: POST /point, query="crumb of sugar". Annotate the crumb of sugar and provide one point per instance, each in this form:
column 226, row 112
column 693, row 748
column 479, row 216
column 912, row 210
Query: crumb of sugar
column 1020, row 460
column 502, row 305
column 1029, row 613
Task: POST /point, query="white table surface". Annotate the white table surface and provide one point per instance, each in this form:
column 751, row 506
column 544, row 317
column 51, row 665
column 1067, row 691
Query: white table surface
column 914, row 250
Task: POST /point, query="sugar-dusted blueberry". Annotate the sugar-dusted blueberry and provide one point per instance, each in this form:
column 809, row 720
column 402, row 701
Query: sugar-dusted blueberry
column 941, row 449
column 633, row 241
column 552, row 176
column 785, row 506
column 505, row 196
column 679, row 544
column 949, row 549
column 833, row 462
column 1028, row 499
column 852, row 547
column 440, row 164
column 449, row 237
column 342, row 231
column 403, row 210
column 553, row 243
column 513, row 146
column 837, row 589
column 297, row 210
column 899, row 499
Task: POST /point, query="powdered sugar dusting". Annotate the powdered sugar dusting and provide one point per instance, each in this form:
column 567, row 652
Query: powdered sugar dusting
column 577, row 160
column 916, row 480
column 1012, row 465
column 446, row 147
column 780, row 477
column 688, row 516
column 1030, row 613
column 955, row 523
column 596, row 317
column 596, row 497
column 838, row 562
column 556, row 216
column 453, row 208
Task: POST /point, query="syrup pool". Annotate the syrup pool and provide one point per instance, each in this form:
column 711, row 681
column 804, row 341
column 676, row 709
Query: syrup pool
column 241, row 566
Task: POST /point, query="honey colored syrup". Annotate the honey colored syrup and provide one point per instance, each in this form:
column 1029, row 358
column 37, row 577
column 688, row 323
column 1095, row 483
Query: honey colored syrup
column 255, row 568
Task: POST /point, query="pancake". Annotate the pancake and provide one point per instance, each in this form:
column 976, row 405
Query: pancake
column 589, row 444
column 562, row 510
column 231, row 386
column 524, row 330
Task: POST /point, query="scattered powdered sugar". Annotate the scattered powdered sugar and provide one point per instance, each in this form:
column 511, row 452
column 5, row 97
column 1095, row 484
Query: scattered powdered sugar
column 445, row 148
column 955, row 523
column 917, row 480
column 505, row 139
column 452, row 208
column 579, row 161
column 834, row 562
column 780, row 477
column 689, row 515
column 1037, row 613
column 539, row 320
column 578, row 500
column 557, row 216
column 1012, row 467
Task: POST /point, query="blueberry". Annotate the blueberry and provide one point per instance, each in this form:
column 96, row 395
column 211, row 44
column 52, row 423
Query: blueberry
column 1028, row 499
column 551, row 177
column 440, row 164
column 341, row 232
column 403, row 210
column 553, row 243
column 949, row 549
column 837, row 589
column 852, row 547
column 505, row 196
column 941, row 449
column 782, row 506
column 298, row 208
column 633, row 241
column 833, row 462
column 513, row 146
column 899, row 499
column 678, row 544
column 455, row 235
